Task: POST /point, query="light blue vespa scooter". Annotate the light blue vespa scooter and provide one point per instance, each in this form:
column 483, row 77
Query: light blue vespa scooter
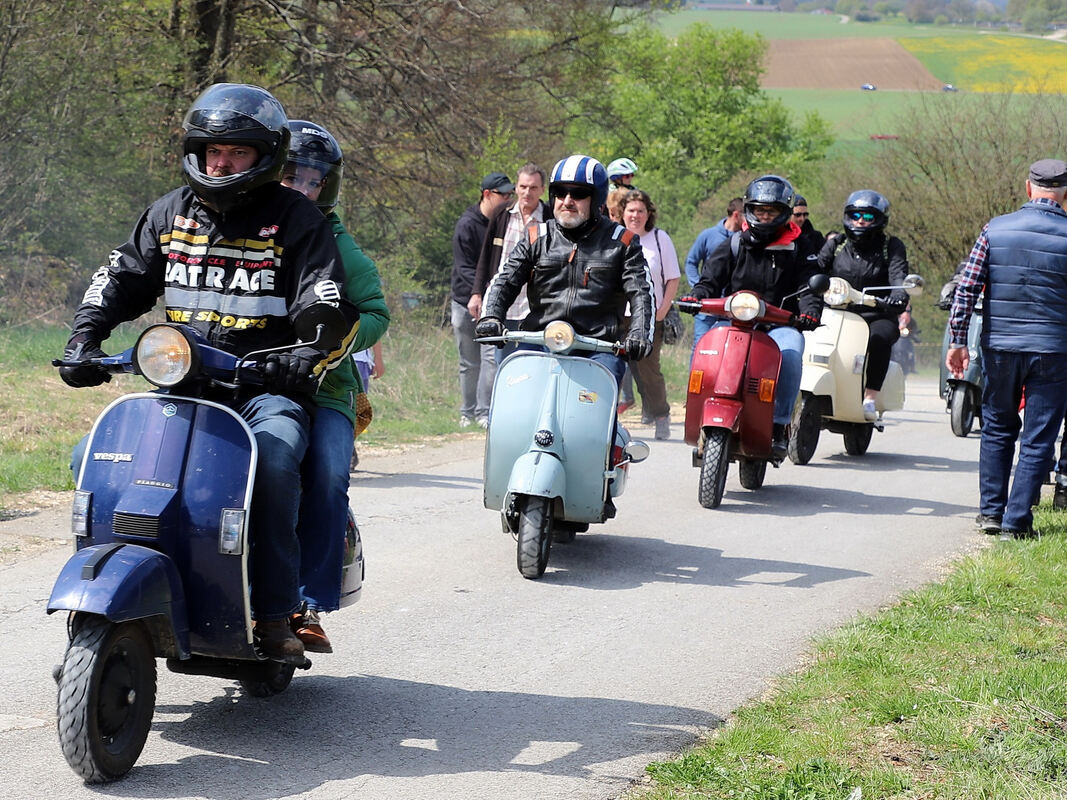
column 554, row 456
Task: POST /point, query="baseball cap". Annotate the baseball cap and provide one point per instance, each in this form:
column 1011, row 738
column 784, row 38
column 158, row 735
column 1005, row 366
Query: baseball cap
column 498, row 182
column 1050, row 173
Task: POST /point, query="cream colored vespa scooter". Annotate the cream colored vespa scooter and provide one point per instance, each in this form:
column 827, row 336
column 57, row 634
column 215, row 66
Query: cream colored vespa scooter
column 835, row 369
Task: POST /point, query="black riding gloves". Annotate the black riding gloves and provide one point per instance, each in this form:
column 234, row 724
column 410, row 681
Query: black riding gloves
column 489, row 326
column 291, row 372
column 86, row 374
column 637, row 348
column 805, row 322
column 688, row 305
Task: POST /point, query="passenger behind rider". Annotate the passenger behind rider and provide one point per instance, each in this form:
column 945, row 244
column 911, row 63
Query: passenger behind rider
column 233, row 213
column 770, row 257
column 315, row 168
column 587, row 269
column 867, row 256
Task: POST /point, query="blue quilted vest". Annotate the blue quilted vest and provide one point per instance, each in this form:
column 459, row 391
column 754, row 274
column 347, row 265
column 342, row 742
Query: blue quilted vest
column 1026, row 296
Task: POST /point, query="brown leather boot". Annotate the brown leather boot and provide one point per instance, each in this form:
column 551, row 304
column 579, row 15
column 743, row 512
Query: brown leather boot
column 309, row 631
column 278, row 642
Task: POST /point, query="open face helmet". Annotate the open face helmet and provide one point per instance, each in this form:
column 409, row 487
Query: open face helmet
column 231, row 114
column 768, row 190
column 866, row 213
column 620, row 167
column 313, row 146
column 579, row 170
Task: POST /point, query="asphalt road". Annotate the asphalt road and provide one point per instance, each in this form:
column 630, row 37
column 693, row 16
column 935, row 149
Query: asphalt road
column 456, row 678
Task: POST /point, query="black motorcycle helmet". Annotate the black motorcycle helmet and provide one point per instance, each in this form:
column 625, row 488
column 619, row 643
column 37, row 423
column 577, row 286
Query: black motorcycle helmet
column 768, row 190
column 234, row 113
column 865, row 201
column 313, row 146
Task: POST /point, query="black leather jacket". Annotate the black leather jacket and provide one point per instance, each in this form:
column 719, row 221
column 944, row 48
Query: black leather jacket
column 583, row 276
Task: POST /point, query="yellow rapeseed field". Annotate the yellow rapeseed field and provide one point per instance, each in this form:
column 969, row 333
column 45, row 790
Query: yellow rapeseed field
column 995, row 63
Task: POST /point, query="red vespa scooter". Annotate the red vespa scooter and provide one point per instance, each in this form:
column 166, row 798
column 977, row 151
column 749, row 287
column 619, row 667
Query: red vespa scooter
column 729, row 408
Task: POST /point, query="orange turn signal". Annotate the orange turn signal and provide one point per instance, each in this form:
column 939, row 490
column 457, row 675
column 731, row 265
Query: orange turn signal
column 766, row 390
column 696, row 380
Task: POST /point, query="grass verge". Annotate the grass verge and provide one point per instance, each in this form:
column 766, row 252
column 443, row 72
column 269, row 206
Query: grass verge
column 958, row 691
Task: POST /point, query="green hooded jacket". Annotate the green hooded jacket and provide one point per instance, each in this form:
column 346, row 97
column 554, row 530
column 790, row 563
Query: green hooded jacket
column 363, row 287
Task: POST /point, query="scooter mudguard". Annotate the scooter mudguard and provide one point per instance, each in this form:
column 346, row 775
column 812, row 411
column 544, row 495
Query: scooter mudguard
column 161, row 469
column 722, row 412
column 124, row 582
column 551, row 408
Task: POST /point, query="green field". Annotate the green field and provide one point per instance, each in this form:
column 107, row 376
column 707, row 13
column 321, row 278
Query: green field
column 777, row 25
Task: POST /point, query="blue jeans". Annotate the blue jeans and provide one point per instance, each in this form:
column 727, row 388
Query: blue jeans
column 1006, row 373
column 324, row 509
column 702, row 323
column 790, row 343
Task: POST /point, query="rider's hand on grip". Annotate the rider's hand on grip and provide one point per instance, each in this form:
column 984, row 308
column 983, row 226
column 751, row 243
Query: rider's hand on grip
column 87, row 374
column 690, row 305
column 805, row 322
column 893, row 306
column 637, row 348
column 290, row 372
column 489, row 327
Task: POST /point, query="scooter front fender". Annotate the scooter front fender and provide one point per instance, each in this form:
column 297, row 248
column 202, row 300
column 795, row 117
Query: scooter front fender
column 721, row 412
column 539, row 474
column 820, row 382
column 124, row 582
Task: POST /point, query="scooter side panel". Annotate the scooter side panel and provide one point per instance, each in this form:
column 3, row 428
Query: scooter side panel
column 133, row 582
column 757, row 419
column 717, row 354
column 841, row 343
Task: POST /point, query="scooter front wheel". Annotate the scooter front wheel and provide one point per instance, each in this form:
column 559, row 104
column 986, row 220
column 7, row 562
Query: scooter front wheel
column 107, row 695
column 961, row 410
column 805, row 436
column 713, row 467
column 534, row 535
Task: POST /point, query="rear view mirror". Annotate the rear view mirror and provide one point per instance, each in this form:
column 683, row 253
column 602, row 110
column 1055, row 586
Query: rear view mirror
column 819, row 283
column 913, row 284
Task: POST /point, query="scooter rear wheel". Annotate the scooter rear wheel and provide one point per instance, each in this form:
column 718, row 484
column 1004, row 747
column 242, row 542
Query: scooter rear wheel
column 752, row 473
column 806, row 429
column 534, row 535
column 858, row 438
column 107, row 695
column 961, row 410
column 275, row 679
column 713, row 467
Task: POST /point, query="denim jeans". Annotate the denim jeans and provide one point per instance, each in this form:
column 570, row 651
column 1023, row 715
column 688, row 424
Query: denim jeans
column 477, row 366
column 1006, row 373
column 702, row 323
column 324, row 509
column 281, row 427
column 790, row 343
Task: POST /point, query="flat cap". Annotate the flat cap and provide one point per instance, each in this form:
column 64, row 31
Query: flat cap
column 1049, row 172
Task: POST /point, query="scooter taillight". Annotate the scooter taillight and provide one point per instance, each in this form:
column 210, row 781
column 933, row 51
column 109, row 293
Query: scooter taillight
column 617, row 455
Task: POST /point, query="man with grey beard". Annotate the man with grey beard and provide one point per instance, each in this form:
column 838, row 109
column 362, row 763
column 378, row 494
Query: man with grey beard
column 587, row 269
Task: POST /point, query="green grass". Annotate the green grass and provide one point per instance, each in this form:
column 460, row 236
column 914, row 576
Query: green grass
column 958, row 691
column 778, row 25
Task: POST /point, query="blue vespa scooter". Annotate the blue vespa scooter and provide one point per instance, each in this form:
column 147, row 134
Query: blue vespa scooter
column 161, row 562
column 554, row 456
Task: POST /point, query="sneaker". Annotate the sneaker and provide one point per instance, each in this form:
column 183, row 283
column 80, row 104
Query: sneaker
column 277, row 641
column 354, row 462
column 663, row 427
column 870, row 413
column 625, row 405
column 483, row 422
column 309, row 631
column 779, row 441
column 1059, row 497
column 647, row 419
column 1029, row 533
column 465, row 421
column 990, row 525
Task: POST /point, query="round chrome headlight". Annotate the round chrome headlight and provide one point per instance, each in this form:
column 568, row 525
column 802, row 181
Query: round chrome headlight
column 837, row 294
column 744, row 306
column 559, row 336
column 164, row 356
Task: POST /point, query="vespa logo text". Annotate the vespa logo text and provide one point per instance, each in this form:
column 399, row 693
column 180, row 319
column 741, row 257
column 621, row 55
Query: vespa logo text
column 114, row 457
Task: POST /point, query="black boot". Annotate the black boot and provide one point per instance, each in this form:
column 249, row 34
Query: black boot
column 779, row 441
column 1059, row 498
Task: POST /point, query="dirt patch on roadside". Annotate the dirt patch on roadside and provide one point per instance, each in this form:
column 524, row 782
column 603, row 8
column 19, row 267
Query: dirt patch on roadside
column 844, row 64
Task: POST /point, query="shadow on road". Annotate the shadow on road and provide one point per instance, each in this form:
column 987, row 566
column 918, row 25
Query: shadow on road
column 326, row 728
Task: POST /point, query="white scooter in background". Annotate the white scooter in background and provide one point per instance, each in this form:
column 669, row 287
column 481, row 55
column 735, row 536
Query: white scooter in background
column 835, row 371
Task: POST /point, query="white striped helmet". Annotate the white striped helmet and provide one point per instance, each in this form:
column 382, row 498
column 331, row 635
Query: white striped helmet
column 582, row 170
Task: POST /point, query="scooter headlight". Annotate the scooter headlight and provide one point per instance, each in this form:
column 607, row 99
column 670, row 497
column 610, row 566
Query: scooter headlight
column 559, row 336
column 165, row 356
column 744, row 306
column 837, row 294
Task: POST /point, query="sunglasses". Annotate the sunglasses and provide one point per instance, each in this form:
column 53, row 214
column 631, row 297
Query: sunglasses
column 502, row 194
column 576, row 192
column 858, row 216
column 801, row 214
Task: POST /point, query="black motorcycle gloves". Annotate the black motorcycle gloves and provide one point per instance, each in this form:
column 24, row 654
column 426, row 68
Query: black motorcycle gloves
column 489, row 326
column 637, row 348
column 688, row 305
column 805, row 322
column 293, row 372
column 84, row 375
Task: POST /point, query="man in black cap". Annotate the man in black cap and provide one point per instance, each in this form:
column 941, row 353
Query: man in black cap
column 477, row 363
column 1020, row 260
